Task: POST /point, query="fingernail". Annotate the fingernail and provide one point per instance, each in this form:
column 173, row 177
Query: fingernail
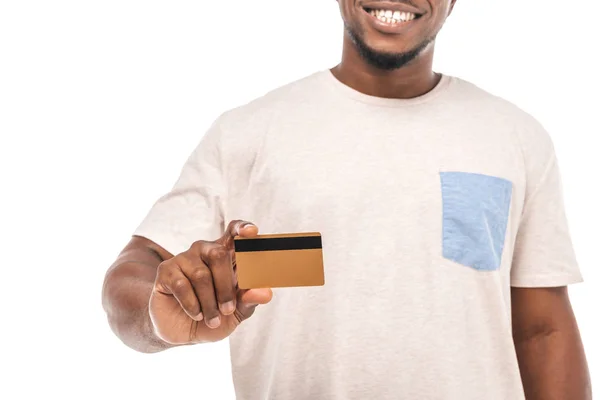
column 199, row 317
column 244, row 226
column 227, row 308
column 215, row 322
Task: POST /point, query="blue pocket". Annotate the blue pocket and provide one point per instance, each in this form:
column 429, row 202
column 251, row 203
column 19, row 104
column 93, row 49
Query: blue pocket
column 476, row 209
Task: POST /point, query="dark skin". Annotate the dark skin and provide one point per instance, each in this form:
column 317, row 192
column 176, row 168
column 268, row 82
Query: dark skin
column 413, row 79
column 156, row 300
column 548, row 345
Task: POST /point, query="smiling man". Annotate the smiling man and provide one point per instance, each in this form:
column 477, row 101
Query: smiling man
column 445, row 242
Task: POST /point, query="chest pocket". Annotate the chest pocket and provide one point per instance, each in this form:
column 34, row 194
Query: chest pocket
column 475, row 216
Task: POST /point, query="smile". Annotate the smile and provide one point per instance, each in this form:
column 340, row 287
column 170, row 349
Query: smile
column 391, row 17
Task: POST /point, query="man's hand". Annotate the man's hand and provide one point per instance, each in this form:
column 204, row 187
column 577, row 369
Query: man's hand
column 195, row 297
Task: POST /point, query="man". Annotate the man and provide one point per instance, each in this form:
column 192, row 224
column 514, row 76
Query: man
column 445, row 242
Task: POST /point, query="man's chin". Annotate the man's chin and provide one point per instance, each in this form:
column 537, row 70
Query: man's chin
column 386, row 53
column 385, row 49
column 387, row 57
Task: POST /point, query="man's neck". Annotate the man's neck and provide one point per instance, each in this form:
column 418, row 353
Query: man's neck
column 412, row 80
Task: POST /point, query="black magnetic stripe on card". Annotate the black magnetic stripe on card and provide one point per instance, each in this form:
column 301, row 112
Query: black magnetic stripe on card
column 270, row 244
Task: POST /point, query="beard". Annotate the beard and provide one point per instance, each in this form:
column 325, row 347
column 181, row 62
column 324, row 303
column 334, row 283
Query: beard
column 384, row 60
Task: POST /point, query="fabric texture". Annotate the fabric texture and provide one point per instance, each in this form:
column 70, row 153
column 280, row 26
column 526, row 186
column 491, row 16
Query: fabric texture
column 430, row 209
column 475, row 212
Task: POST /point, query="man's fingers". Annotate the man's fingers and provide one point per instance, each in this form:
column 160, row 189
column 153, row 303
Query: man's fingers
column 172, row 280
column 234, row 228
column 202, row 280
column 218, row 259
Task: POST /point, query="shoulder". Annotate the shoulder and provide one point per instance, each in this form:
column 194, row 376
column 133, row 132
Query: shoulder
column 241, row 131
column 527, row 129
column 482, row 100
column 259, row 113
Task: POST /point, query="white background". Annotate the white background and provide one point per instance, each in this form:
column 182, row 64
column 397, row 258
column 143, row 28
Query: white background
column 102, row 101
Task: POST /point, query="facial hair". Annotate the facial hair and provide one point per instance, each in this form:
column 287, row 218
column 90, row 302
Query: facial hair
column 382, row 60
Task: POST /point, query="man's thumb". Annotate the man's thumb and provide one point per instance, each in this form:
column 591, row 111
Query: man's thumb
column 250, row 298
column 235, row 228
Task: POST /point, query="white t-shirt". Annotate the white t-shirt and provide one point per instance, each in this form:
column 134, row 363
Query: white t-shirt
column 430, row 209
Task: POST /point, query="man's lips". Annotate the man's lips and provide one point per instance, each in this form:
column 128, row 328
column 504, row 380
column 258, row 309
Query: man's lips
column 392, row 6
column 393, row 20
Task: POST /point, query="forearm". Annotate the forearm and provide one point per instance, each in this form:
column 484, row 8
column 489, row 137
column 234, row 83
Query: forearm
column 553, row 365
column 126, row 294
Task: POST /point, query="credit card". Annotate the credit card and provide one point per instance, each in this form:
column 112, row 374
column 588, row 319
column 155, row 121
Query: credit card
column 279, row 260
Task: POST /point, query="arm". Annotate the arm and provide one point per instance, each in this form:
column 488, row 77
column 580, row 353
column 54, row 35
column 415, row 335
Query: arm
column 157, row 298
column 548, row 345
column 155, row 301
column 126, row 294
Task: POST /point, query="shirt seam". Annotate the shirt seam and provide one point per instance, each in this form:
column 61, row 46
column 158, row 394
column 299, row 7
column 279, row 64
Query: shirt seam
column 528, row 200
column 545, row 277
column 410, row 102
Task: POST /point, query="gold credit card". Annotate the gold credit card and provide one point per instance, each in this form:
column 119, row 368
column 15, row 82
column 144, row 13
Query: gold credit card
column 279, row 260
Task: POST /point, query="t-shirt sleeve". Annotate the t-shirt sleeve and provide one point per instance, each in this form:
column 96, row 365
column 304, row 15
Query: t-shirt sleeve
column 193, row 209
column 543, row 254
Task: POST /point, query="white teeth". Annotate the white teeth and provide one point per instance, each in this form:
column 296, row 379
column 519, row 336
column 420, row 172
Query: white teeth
column 392, row 17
